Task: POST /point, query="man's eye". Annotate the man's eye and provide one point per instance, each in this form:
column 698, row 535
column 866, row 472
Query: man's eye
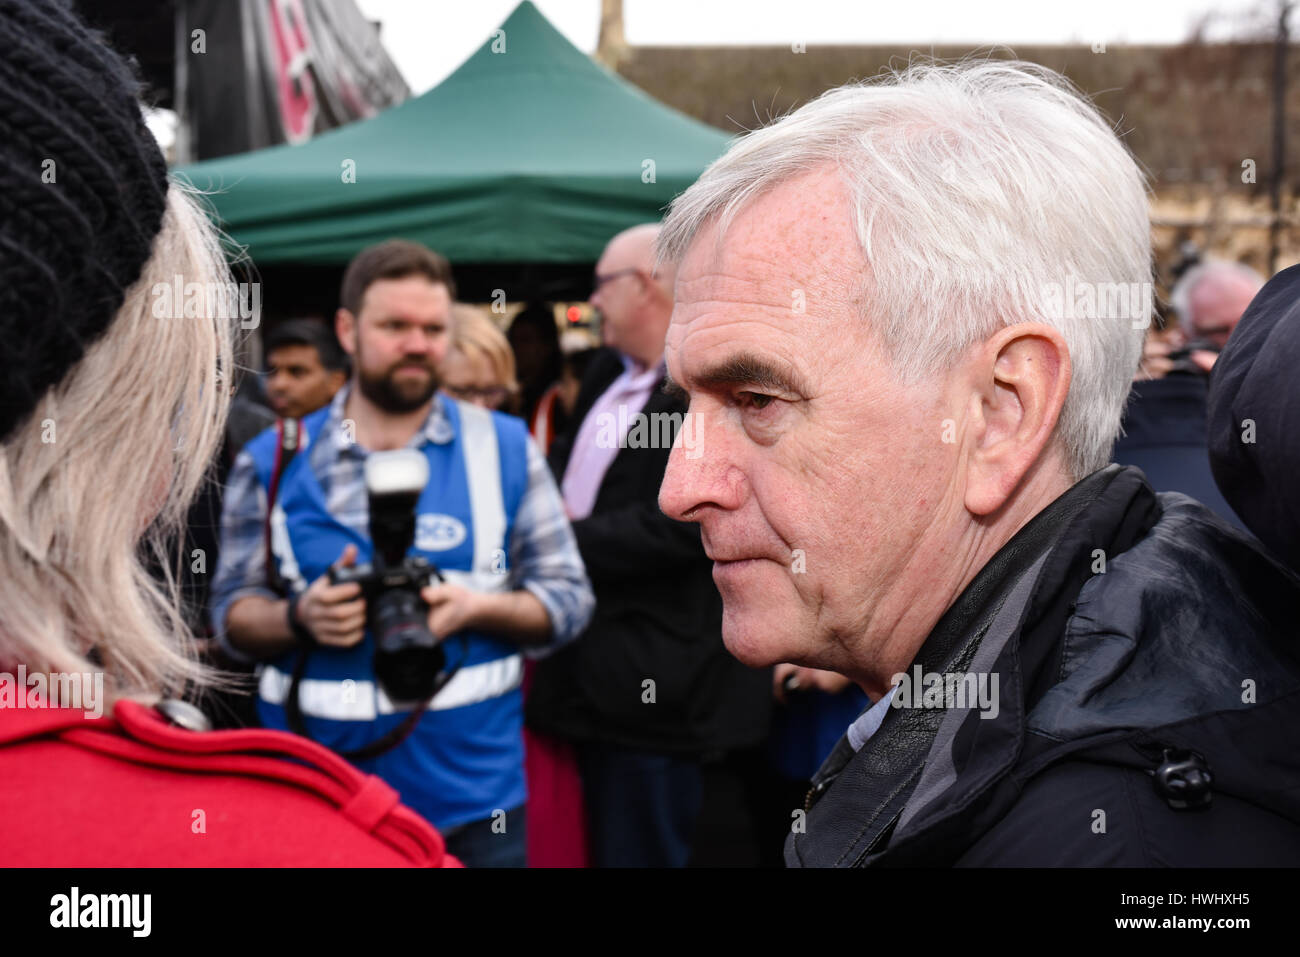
column 757, row 400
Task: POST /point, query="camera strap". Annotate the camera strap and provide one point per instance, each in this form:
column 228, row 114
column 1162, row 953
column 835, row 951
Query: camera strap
column 385, row 743
column 287, row 433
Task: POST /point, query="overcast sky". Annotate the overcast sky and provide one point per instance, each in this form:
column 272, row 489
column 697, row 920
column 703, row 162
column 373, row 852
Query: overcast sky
column 430, row 38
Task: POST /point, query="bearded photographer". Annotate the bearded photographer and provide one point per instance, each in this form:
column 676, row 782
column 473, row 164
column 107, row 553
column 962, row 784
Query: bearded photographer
column 483, row 509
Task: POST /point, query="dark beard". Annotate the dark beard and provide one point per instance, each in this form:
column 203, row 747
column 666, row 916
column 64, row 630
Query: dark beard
column 384, row 392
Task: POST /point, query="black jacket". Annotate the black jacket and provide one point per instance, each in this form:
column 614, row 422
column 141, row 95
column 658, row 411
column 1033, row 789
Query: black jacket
column 1186, row 642
column 1164, row 436
column 1254, row 416
column 658, row 617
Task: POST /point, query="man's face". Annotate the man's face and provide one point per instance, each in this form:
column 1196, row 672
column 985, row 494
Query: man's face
column 816, row 474
column 297, row 384
column 398, row 341
column 1219, row 309
column 618, row 292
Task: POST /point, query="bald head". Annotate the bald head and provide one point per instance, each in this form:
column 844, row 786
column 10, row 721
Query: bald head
column 1211, row 297
column 634, row 299
column 635, row 247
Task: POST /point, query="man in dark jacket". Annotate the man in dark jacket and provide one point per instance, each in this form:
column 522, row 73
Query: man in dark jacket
column 907, row 316
column 648, row 693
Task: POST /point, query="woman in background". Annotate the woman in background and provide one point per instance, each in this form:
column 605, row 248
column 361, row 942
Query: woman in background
column 479, row 367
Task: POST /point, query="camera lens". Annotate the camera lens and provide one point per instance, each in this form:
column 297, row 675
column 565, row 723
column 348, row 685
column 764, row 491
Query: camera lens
column 408, row 659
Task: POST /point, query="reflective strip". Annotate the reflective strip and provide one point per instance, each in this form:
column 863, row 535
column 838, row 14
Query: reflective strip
column 350, row 700
column 477, row 581
column 486, row 505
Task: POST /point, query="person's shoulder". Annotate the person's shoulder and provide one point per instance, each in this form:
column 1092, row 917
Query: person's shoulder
column 197, row 798
column 605, row 366
column 1086, row 812
column 262, row 445
column 1214, row 572
column 509, row 427
column 1192, row 601
column 1071, row 815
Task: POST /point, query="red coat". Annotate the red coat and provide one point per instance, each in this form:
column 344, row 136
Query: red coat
column 134, row 790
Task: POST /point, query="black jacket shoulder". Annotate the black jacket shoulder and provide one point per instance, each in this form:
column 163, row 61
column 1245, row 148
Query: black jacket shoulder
column 1149, row 707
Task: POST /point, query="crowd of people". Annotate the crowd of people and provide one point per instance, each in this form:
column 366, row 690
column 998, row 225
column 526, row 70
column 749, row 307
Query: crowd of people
column 454, row 591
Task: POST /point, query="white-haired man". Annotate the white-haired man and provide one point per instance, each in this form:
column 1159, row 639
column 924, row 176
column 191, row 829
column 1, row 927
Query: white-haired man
column 908, row 315
column 1210, row 298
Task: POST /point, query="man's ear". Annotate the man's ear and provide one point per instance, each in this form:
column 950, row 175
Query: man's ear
column 345, row 328
column 1023, row 376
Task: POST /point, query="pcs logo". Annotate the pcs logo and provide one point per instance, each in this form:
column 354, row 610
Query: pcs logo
column 438, row 533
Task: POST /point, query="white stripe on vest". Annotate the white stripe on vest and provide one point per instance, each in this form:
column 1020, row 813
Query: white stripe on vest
column 350, row 700
column 486, row 504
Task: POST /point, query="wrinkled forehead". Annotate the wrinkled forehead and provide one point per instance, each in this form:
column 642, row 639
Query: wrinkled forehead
column 794, row 247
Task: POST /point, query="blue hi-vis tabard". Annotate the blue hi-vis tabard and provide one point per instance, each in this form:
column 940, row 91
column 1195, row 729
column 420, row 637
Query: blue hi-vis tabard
column 464, row 760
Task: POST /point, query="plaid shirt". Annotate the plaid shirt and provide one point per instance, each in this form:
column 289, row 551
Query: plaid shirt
column 543, row 554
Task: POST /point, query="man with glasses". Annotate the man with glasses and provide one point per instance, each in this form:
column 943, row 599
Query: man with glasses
column 657, row 708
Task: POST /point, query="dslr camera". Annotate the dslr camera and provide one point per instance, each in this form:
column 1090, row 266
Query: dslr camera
column 409, row 662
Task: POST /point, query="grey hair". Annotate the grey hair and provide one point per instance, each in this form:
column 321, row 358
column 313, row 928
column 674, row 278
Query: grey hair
column 980, row 190
column 1214, row 271
column 98, row 480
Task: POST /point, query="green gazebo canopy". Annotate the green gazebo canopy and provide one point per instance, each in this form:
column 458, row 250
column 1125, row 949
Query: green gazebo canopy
column 529, row 152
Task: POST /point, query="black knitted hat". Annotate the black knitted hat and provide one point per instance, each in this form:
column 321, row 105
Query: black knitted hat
column 83, row 187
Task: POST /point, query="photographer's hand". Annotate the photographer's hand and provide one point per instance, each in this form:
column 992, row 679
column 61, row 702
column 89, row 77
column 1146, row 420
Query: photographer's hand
column 1204, row 359
column 334, row 614
column 451, row 608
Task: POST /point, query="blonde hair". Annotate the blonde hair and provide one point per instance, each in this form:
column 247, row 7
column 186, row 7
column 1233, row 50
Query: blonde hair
column 473, row 334
column 98, row 480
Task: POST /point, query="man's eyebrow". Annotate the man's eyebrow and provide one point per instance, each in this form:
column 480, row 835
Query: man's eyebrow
column 745, row 368
column 673, row 390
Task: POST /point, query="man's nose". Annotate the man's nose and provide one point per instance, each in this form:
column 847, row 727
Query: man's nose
column 416, row 343
column 700, row 472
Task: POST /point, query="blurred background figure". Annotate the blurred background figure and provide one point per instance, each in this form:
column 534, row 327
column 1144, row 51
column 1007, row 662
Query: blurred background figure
column 535, row 341
column 554, row 411
column 1165, row 420
column 479, row 366
column 305, row 366
column 813, row 709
